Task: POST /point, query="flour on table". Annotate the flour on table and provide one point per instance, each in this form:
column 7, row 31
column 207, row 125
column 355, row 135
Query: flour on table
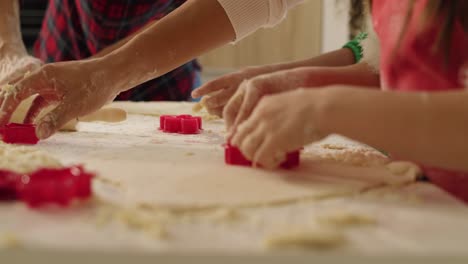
column 24, row 159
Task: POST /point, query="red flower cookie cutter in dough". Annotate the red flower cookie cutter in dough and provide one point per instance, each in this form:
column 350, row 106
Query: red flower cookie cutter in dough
column 46, row 186
column 182, row 124
column 233, row 156
column 19, row 134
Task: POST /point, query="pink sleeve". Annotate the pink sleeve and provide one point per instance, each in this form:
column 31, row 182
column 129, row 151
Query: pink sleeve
column 249, row 15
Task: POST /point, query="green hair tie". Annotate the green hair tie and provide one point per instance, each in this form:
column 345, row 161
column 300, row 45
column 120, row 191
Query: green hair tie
column 355, row 46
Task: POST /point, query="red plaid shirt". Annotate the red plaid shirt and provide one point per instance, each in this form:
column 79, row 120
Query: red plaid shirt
column 77, row 29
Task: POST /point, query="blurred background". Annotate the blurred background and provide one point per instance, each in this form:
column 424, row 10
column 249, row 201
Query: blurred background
column 317, row 26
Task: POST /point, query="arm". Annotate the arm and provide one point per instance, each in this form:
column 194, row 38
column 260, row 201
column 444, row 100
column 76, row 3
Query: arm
column 429, row 128
column 219, row 91
column 192, row 29
column 250, row 92
column 14, row 59
column 82, row 87
column 10, row 33
column 119, row 43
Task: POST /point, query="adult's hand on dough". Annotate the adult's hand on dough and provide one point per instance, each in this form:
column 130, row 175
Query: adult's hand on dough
column 241, row 105
column 280, row 124
column 217, row 93
column 75, row 88
column 15, row 63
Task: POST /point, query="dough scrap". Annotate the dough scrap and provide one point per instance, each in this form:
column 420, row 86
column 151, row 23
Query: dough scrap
column 197, row 107
column 154, row 108
column 164, row 108
column 8, row 88
column 9, row 241
column 112, row 115
column 355, row 156
column 23, row 159
column 346, row 219
column 309, row 239
column 404, row 168
column 151, row 224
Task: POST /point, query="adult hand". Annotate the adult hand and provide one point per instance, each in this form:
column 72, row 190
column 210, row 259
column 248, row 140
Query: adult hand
column 15, row 63
column 75, row 88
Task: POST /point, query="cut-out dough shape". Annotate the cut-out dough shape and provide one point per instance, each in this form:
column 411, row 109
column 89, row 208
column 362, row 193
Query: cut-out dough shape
column 106, row 114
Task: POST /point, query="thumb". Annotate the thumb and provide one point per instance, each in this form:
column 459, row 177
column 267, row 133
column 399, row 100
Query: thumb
column 53, row 121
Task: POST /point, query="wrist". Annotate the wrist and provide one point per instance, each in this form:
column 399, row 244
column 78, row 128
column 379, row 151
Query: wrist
column 327, row 108
column 126, row 69
column 100, row 74
column 12, row 48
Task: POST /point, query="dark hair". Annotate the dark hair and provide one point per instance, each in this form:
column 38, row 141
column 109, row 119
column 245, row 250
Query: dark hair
column 356, row 18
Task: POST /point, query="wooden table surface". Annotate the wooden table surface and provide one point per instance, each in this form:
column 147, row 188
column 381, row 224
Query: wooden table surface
column 415, row 219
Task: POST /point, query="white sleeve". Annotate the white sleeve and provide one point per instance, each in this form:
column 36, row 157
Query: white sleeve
column 247, row 16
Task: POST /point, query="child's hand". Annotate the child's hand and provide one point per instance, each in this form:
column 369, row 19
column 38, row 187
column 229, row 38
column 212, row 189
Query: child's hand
column 241, row 105
column 280, row 124
column 218, row 92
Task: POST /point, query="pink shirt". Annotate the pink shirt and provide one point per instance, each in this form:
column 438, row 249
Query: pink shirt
column 414, row 66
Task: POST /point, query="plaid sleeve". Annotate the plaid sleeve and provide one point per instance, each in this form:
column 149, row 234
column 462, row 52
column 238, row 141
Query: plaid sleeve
column 78, row 29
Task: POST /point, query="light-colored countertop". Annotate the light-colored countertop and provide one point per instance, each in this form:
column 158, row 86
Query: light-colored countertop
column 414, row 219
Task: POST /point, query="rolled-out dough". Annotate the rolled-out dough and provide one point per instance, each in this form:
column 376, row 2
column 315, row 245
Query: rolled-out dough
column 111, row 115
column 173, row 186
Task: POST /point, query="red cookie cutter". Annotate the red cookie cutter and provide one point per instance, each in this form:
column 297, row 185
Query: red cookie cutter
column 233, row 156
column 19, row 134
column 46, row 186
column 182, row 124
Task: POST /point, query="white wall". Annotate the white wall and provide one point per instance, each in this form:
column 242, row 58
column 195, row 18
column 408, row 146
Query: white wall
column 335, row 24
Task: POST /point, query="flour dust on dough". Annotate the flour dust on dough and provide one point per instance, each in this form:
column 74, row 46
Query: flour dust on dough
column 23, row 159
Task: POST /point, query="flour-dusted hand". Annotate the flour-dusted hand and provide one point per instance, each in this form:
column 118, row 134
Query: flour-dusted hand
column 75, row 89
column 280, row 124
column 15, row 63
